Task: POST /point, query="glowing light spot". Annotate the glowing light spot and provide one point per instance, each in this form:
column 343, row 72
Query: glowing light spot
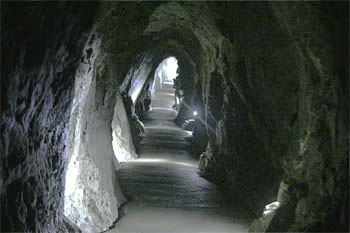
column 71, row 177
column 170, row 67
column 166, row 72
column 270, row 208
column 195, row 113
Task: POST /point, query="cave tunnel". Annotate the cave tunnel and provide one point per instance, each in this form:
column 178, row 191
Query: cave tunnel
column 174, row 116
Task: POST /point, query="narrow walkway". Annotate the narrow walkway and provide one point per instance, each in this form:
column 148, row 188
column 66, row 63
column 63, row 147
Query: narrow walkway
column 166, row 192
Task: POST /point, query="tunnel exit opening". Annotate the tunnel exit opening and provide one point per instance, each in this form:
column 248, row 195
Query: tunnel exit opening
column 164, row 92
column 167, row 71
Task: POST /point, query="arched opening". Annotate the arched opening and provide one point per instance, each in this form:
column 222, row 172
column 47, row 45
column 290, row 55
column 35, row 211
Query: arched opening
column 167, row 71
column 163, row 94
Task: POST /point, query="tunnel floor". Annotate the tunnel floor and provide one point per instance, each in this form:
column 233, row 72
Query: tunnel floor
column 164, row 189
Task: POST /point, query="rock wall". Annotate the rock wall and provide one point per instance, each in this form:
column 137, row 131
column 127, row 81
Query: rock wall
column 123, row 146
column 251, row 103
column 273, row 100
column 41, row 47
column 269, row 82
column 284, row 117
column 99, row 126
column 92, row 196
column 46, row 56
column 316, row 163
column 138, row 75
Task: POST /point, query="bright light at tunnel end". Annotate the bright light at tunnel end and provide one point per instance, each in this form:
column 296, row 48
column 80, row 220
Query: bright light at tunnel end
column 195, row 113
column 170, row 68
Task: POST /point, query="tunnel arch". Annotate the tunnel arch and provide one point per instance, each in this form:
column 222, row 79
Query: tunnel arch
column 80, row 209
column 155, row 56
column 284, row 106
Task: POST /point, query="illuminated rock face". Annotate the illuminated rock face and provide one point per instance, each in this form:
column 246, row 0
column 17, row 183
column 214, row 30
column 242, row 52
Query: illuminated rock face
column 92, row 196
column 123, row 146
column 38, row 64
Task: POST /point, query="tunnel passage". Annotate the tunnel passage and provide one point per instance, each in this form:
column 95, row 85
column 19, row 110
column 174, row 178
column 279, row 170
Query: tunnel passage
column 166, row 191
column 164, row 76
column 278, row 130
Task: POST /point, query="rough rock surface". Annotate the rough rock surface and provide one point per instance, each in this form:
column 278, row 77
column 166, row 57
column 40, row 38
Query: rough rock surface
column 277, row 216
column 123, row 146
column 91, row 194
column 286, row 110
column 100, row 126
column 273, row 99
column 40, row 55
column 44, row 54
column 269, row 81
